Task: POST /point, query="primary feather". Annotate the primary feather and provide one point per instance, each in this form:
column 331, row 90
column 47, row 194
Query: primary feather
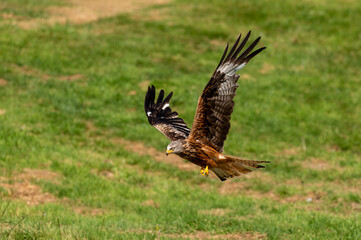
column 162, row 117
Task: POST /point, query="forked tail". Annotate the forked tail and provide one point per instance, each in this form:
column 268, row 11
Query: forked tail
column 230, row 167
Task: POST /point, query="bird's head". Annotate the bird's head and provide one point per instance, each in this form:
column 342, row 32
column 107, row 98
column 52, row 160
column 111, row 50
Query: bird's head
column 175, row 147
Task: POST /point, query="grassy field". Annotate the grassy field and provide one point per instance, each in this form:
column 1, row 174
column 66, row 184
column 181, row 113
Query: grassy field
column 78, row 159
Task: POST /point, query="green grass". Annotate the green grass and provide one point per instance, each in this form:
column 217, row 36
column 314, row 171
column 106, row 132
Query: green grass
column 299, row 107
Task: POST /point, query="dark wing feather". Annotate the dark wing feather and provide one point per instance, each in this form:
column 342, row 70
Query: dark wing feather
column 161, row 116
column 215, row 105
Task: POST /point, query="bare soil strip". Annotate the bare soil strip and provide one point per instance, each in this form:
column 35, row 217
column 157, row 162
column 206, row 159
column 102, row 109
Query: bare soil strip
column 83, row 11
column 204, row 235
column 22, row 188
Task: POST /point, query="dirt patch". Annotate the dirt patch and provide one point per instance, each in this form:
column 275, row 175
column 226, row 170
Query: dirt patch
column 132, row 93
column 29, row 174
column 267, row 68
column 8, row 16
column 20, row 186
column 29, row 71
column 207, row 235
column 90, row 126
column 202, row 235
column 3, row 82
column 333, row 148
column 260, row 175
column 234, row 187
column 216, row 211
column 144, row 85
column 217, row 43
column 310, row 197
column 289, row 151
column 316, row 164
column 305, row 193
column 2, row 111
column 28, row 192
column 88, row 211
column 150, row 203
column 131, row 110
column 107, row 174
column 298, row 68
column 355, row 206
column 243, row 186
column 71, row 78
column 156, row 14
column 246, row 76
column 229, row 187
column 84, row 11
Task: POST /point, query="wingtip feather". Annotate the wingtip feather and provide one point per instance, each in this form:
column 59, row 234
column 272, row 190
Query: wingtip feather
column 253, row 54
column 167, row 99
column 223, row 56
column 230, row 54
column 160, row 97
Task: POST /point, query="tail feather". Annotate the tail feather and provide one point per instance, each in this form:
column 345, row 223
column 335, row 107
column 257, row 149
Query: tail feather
column 230, row 167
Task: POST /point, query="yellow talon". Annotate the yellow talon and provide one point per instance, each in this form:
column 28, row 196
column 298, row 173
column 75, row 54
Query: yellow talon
column 204, row 171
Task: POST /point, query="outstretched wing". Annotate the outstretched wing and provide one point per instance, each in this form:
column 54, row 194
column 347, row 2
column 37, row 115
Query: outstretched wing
column 161, row 116
column 215, row 105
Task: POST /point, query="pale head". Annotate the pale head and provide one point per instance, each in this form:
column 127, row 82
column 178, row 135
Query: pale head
column 175, row 147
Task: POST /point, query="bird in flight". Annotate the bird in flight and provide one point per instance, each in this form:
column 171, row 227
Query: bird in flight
column 203, row 144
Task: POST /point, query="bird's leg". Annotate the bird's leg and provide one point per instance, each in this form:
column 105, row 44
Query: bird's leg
column 204, row 171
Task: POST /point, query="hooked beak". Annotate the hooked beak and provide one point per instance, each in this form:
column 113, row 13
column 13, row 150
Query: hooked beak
column 168, row 152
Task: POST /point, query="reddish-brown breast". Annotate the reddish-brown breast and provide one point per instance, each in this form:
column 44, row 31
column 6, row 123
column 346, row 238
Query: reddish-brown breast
column 199, row 153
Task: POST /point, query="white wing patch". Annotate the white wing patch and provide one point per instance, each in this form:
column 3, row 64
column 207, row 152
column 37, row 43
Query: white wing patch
column 226, row 67
column 149, row 113
column 165, row 106
column 241, row 66
column 230, row 68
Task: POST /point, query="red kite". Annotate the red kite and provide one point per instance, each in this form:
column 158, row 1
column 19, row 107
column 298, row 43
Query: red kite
column 203, row 145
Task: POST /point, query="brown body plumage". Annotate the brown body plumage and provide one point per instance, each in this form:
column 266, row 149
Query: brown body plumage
column 203, row 145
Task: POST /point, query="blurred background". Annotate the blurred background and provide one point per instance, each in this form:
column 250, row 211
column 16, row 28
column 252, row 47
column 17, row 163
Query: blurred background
column 78, row 159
